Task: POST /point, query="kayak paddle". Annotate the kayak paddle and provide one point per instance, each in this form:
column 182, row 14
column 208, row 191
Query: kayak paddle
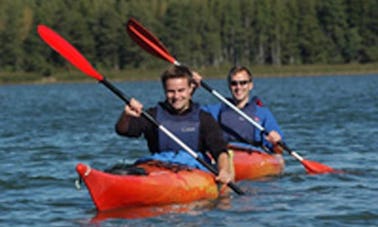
column 71, row 54
column 152, row 45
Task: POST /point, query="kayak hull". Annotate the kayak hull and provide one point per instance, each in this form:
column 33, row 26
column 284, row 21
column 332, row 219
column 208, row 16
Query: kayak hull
column 253, row 164
column 160, row 186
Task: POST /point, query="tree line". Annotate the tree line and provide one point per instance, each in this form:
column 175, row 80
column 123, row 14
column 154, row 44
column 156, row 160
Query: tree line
column 198, row 32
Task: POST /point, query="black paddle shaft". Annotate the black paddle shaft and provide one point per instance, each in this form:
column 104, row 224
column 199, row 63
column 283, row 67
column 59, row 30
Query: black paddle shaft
column 122, row 96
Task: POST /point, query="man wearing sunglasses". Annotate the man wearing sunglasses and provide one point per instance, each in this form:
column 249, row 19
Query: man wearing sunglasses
column 237, row 130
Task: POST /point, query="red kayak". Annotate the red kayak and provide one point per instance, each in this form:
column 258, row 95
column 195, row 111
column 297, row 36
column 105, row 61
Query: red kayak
column 253, row 164
column 156, row 183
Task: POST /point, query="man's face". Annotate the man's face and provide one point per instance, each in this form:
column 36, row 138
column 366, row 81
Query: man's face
column 240, row 87
column 178, row 93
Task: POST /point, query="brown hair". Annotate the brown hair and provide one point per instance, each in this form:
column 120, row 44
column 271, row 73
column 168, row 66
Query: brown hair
column 176, row 72
column 236, row 69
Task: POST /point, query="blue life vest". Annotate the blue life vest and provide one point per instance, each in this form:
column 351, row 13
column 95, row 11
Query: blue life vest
column 235, row 127
column 180, row 157
column 185, row 127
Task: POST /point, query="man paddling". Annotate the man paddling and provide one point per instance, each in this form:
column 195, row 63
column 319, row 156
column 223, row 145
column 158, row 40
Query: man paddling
column 182, row 117
column 237, row 131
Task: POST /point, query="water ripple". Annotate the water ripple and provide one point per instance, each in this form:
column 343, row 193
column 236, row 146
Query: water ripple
column 331, row 120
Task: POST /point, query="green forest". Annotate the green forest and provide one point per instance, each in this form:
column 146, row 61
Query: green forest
column 201, row 33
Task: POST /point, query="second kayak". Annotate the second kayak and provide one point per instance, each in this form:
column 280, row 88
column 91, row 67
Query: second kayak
column 253, row 164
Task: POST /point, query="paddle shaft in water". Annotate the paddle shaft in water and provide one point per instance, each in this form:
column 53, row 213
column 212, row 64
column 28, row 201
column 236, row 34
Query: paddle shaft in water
column 145, row 39
column 70, row 53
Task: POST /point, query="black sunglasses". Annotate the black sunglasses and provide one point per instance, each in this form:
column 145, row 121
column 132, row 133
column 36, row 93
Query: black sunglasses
column 240, row 82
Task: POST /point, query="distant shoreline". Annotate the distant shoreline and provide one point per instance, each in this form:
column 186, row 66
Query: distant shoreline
column 74, row 75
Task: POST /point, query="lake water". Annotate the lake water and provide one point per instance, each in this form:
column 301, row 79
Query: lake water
column 45, row 130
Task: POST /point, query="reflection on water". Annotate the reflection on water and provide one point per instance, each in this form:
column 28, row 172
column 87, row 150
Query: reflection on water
column 193, row 209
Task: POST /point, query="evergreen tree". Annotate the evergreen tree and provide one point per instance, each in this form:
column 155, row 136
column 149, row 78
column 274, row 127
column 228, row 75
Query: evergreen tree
column 261, row 24
column 212, row 32
column 105, row 30
column 369, row 31
column 332, row 18
column 15, row 26
column 248, row 37
column 289, row 33
column 211, row 44
column 311, row 37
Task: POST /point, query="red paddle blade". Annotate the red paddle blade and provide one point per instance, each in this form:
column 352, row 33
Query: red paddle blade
column 69, row 52
column 317, row 168
column 148, row 41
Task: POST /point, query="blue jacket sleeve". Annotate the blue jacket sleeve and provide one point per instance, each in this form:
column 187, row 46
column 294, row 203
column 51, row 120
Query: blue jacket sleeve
column 213, row 109
column 269, row 123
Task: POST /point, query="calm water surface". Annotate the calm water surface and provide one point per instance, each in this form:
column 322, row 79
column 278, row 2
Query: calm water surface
column 45, row 130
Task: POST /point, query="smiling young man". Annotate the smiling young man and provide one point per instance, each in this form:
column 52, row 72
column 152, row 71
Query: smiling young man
column 236, row 129
column 185, row 119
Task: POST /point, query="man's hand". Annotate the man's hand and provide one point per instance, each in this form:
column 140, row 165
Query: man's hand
column 134, row 108
column 225, row 174
column 197, row 78
column 273, row 137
